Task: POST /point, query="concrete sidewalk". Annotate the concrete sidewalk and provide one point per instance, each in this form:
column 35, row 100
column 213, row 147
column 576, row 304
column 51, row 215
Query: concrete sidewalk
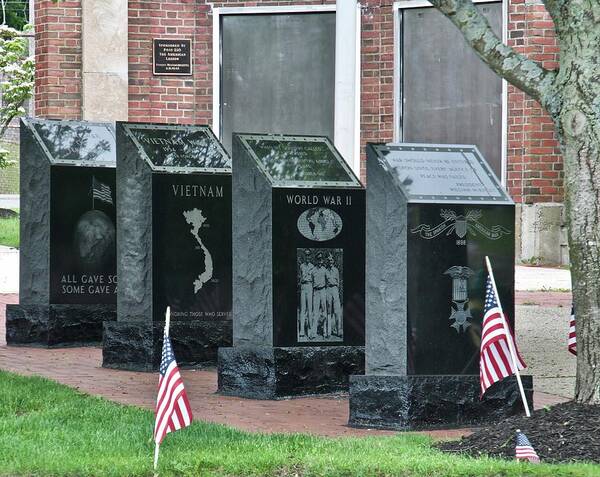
column 10, row 201
column 543, row 279
column 9, row 270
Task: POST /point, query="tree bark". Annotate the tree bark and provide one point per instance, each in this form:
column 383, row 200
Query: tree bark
column 577, row 122
column 572, row 98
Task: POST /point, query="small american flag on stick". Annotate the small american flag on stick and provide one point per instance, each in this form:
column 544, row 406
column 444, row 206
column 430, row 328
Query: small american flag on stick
column 496, row 361
column 524, row 450
column 572, row 334
column 173, row 411
column 499, row 356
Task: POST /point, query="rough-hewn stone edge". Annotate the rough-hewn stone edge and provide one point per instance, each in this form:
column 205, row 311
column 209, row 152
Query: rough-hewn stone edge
column 314, row 370
column 386, row 285
column 430, row 402
column 34, row 253
column 246, row 371
column 56, row 325
column 134, row 232
column 263, row 372
column 252, row 252
column 137, row 346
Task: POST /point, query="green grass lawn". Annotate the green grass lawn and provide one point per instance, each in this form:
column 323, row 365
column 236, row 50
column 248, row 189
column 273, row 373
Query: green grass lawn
column 9, row 232
column 50, row 429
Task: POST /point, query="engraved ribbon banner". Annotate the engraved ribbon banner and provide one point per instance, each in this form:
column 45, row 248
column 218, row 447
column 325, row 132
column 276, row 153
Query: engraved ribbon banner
column 426, row 232
column 493, row 233
column 473, row 225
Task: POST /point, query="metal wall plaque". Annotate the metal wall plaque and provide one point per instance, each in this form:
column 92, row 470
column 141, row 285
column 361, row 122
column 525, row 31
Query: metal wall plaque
column 306, row 161
column 172, row 56
column 441, row 173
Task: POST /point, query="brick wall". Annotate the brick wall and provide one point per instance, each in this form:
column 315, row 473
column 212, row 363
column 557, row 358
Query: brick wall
column 58, row 59
column 377, row 74
column 185, row 99
column 534, row 161
column 535, row 167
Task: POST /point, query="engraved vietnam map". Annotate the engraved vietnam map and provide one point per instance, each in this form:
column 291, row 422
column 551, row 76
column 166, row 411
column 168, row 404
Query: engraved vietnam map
column 196, row 219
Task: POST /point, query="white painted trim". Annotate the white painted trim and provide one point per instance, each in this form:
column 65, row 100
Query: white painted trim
column 397, row 72
column 274, row 9
column 347, row 61
column 356, row 162
column 216, row 70
column 353, row 161
column 504, row 155
column 405, row 4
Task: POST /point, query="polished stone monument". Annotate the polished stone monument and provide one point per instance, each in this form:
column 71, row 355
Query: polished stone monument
column 433, row 213
column 174, row 191
column 68, row 279
column 298, row 269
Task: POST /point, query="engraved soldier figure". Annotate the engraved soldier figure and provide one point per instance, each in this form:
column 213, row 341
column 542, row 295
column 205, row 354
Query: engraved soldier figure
column 319, row 296
column 332, row 277
column 306, row 293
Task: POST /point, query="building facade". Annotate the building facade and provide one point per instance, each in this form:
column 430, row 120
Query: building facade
column 368, row 71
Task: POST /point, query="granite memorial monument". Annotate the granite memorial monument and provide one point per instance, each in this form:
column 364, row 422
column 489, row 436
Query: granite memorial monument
column 433, row 213
column 298, row 269
column 68, row 279
column 174, row 187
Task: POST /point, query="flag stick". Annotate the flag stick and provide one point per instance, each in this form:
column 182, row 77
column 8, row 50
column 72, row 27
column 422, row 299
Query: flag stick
column 156, row 448
column 509, row 338
column 167, row 320
column 167, row 325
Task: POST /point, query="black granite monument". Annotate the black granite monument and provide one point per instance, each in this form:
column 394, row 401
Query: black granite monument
column 433, row 214
column 68, row 279
column 174, row 188
column 298, row 269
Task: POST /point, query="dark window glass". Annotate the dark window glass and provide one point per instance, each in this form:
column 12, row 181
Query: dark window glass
column 449, row 95
column 277, row 74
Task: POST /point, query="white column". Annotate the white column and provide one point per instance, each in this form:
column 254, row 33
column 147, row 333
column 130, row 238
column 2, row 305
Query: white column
column 104, row 38
column 347, row 82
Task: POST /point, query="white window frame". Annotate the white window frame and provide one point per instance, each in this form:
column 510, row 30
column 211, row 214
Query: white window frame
column 405, row 4
column 350, row 135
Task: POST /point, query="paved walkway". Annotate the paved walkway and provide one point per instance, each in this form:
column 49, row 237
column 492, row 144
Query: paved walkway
column 81, row 368
column 541, row 278
column 9, row 201
column 9, row 270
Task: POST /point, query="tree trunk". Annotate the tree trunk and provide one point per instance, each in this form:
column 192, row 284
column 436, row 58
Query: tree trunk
column 576, row 112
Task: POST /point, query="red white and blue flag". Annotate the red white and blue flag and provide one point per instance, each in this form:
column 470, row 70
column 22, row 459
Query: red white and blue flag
column 173, row 409
column 495, row 361
column 572, row 334
column 524, row 450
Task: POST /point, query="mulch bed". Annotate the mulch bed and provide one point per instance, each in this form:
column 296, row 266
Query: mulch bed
column 566, row 432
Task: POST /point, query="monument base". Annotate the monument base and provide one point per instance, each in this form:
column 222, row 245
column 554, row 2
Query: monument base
column 57, row 325
column 264, row 372
column 137, row 346
column 429, row 402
